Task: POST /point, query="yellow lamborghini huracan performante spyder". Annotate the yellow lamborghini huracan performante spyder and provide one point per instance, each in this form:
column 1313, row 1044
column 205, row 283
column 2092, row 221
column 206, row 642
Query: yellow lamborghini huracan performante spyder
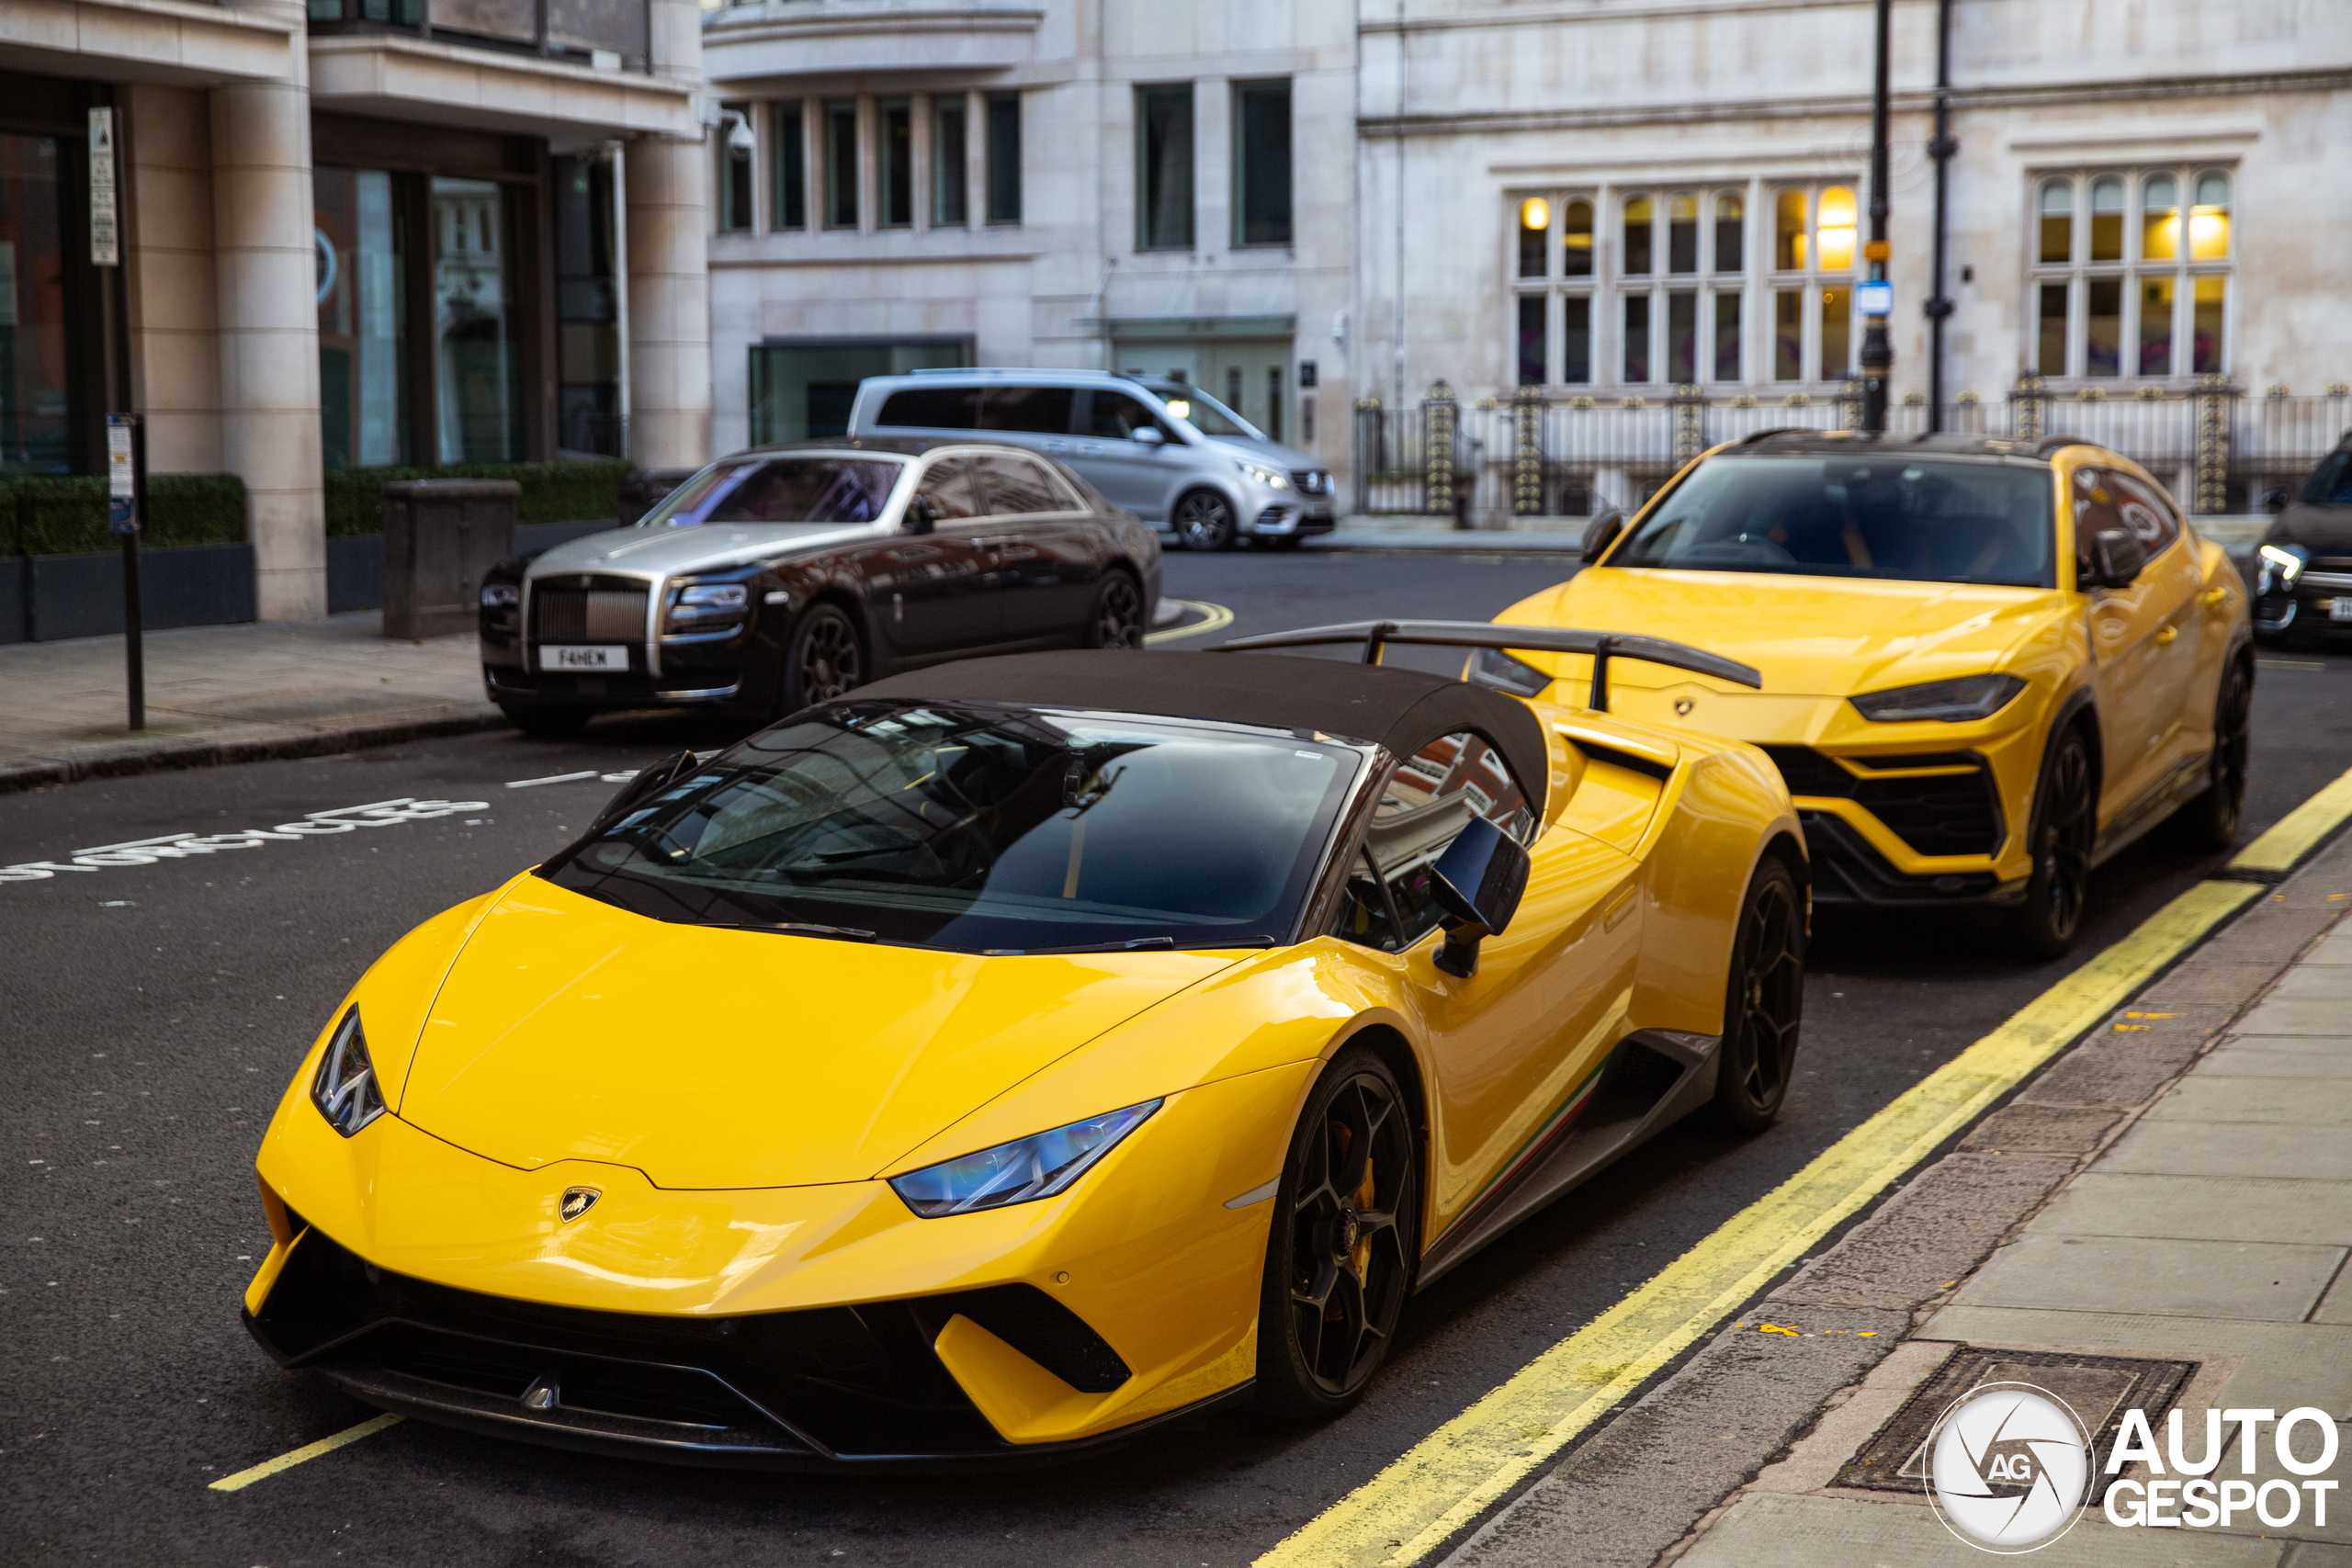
column 998, row 1061
column 1988, row 665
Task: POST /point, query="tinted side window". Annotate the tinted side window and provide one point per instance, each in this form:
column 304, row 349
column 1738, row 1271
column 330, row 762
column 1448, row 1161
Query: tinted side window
column 1118, row 416
column 2331, row 482
column 1017, row 485
column 2146, row 513
column 931, row 408
column 1036, row 410
column 2095, row 511
column 1364, row 916
column 1428, row 800
column 954, row 489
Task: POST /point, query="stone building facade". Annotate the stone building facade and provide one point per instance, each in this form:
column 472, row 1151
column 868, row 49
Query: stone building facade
column 353, row 233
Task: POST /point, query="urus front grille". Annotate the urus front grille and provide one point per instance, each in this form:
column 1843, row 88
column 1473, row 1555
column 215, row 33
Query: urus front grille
column 1936, row 813
column 573, row 610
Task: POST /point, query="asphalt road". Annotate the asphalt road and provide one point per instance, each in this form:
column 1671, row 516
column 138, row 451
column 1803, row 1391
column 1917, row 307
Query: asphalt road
column 153, row 1014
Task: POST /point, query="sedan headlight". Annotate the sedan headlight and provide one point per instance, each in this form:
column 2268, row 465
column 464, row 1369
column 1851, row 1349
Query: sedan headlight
column 1497, row 670
column 709, row 602
column 346, row 1092
column 1950, row 702
column 1273, row 479
column 1021, row 1171
column 2277, row 566
column 501, row 595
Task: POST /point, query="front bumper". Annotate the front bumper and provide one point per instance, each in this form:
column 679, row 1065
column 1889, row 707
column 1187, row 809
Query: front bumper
column 845, row 1387
column 2308, row 609
column 1847, row 870
column 1293, row 519
column 706, row 687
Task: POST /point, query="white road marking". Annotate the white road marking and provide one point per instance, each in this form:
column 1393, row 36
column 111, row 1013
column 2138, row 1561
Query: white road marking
column 181, row 846
column 551, row 778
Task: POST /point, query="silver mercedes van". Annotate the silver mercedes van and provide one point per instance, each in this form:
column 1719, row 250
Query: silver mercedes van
column 1163, row 450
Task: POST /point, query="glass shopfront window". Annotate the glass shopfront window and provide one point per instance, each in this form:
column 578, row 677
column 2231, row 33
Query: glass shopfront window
column 363, row 387
column 478, row 390
column 588, row 339
column 803, row 390
column 37, row 423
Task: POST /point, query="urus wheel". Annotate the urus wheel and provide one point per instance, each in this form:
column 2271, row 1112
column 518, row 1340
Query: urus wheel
column 823, row 660
column 1117, row 620
column 1343, row 1242
column 1763, row 1003
column 2209, row 823
column 2064, row 826
column 1204, row 520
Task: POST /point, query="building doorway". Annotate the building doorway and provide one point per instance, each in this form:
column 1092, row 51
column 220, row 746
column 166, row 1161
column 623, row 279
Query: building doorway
column 1251, row 376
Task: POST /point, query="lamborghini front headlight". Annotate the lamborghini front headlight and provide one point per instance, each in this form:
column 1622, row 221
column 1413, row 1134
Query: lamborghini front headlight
column 346, row 1092
column 1021, row 1171
column 1949, row 702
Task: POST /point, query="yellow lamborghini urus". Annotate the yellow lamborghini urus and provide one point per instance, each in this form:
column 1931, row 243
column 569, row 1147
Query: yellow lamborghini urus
column 1987, row 666
column 999, row 1061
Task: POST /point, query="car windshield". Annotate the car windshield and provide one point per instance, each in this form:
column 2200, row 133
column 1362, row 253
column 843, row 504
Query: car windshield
column 1205, row 413
column 983, row 831
column 817, row 487
column 2331, row 482
column 1885, row 514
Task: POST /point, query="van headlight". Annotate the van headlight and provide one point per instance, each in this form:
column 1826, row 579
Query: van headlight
column 1273, row 479
column 1021, row 1171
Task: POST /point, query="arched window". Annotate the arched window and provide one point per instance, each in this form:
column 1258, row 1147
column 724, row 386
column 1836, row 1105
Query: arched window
column 1534, row 227
column 1639, row 228
column 2057, row 220
column 2106, row 220
column 1837, row 229
column 1731, row 234
column 1787, row 231
column 1682, row 233
column 2160, row 218
column 2209, row 221
column 1575, row 239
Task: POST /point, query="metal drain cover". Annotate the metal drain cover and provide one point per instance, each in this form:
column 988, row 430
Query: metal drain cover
column 2099, row 1389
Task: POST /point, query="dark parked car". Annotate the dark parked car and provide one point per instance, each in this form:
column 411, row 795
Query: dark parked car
column 2303, row 572
column 783, row 576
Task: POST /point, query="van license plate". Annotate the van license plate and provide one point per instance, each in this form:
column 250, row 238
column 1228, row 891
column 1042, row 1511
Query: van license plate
column 615, row 659
column 2339, row 609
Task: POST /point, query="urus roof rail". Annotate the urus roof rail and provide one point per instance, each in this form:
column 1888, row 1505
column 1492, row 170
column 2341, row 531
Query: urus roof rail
column 1603, row 645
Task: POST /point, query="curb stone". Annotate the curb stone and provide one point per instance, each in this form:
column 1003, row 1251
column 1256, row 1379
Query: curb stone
column 167, row 756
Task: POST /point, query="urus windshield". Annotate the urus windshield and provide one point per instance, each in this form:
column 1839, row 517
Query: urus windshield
column 1886, row 514
column 983, row 829
column 811, row 488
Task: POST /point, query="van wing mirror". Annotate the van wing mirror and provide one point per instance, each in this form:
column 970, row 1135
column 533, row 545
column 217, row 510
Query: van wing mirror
column 1147, row 436
column 1478, row 882
column 2117, row 556
column 1601, row 533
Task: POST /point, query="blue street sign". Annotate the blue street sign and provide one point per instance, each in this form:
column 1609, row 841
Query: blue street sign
column 1875, row 298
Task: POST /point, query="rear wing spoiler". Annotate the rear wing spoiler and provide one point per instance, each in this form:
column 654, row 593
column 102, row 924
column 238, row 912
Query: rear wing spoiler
column 1601, row 645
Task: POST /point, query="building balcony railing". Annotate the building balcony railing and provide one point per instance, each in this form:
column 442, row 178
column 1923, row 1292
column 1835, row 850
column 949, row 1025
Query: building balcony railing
column 610, row 35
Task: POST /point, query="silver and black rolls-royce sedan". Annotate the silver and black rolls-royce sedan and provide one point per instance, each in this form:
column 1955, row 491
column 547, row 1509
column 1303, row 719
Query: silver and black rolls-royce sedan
column 786, row 575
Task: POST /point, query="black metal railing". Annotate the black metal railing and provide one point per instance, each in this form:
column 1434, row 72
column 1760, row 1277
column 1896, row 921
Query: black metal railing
column 2213, row 443
column 609, row 32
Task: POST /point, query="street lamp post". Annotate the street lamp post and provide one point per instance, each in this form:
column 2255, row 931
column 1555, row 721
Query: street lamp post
column 1878, row 354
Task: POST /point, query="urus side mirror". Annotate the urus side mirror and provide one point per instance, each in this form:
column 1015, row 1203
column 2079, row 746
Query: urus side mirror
column 1478, row 882
column 1149, row 436
column 922, row 515
column 2117, row 556
column 1601, row 533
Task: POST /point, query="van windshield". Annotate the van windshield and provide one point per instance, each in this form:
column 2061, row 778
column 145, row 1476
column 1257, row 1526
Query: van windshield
column 1205, row 413
column 814, row 487
column 1889, row 514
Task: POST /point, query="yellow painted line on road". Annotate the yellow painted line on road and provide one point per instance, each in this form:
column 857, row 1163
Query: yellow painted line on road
column 1465, row 1466
column 302, row 1455
column 2293, row 836
column 1214, row 618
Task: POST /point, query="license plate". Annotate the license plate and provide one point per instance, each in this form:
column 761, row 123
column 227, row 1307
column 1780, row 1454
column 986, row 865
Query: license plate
column 2339, row 609
column 585, row 659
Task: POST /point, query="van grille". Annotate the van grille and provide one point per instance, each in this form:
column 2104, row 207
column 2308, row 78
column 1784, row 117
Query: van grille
column 605, row 610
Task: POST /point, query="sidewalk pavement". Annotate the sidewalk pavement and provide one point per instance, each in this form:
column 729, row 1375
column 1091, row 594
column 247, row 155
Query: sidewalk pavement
column 2175, row 1188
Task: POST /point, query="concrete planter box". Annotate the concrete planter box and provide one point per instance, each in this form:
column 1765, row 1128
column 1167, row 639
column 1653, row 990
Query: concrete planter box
column 48, row 598
column 356, row 562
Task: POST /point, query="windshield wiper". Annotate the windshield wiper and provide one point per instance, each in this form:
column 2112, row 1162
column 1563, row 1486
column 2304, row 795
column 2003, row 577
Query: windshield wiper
column 794, row 928
column 1140, row 945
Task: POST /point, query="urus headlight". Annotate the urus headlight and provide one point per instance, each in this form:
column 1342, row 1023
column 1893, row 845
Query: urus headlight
column 1950, row 702
column 346, row 1092
column 1021, row 1171
column 1491, row 667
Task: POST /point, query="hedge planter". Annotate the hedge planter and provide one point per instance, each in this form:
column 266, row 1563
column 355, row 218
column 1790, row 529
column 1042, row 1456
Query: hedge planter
column 81, row 596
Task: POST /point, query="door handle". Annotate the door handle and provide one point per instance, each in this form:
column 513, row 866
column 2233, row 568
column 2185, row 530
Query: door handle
column 2164, row 636
column 2215, row 598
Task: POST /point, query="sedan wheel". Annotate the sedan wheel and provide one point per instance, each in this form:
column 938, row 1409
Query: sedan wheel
column 2065, row 828
column 1764, row 1003
column 1117, row 620
column 824, row 659
column 1204, row 520
column 1345, row 1235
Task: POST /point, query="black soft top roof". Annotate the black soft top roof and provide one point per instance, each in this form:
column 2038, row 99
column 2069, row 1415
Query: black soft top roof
column 1401, row 709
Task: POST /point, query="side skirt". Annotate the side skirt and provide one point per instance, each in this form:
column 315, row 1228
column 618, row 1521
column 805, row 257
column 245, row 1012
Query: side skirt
column 2184, row 784
column 1653, row 1078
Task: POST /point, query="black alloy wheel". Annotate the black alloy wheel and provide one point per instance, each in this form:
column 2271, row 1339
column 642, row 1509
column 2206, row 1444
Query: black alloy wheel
column 1204, row 520
column 541, row 722
column 1117, row 620
column 824, row 661
column 1344, row 1239
column 2064, row 828
column 1764, row 1001
column 2208, row 824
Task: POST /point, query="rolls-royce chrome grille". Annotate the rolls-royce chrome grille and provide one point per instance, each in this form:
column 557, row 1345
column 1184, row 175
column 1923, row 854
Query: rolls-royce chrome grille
column 604, row 612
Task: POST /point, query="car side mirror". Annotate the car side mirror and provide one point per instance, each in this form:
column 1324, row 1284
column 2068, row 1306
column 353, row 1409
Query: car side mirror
column 2275, row 498
column 2117, row 556
column 1601, row 533
column 1478, row 882
column 650, row 781
column 922, row 515
column 1149, row 436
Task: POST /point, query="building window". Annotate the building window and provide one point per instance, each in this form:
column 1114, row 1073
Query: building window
column 1576, row 339
column 1682, row 233
column 1575, row 240
column 1261, row 163
column 1164, row 167
column 1731, row 231
column 841, row 164
column 1004, row 158
column 1638, row 229
column 588, row 348
column 788, row 203
column 802, row 390
column 478, row 388
column 1727, row 338
column 1534, row 235
column 2140, row 290
column 1532, row 350
column 950, row 171
column 735, row 145
column 363, row 380
column 894, row 124
column 1816, row 240
column 1637, row 338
